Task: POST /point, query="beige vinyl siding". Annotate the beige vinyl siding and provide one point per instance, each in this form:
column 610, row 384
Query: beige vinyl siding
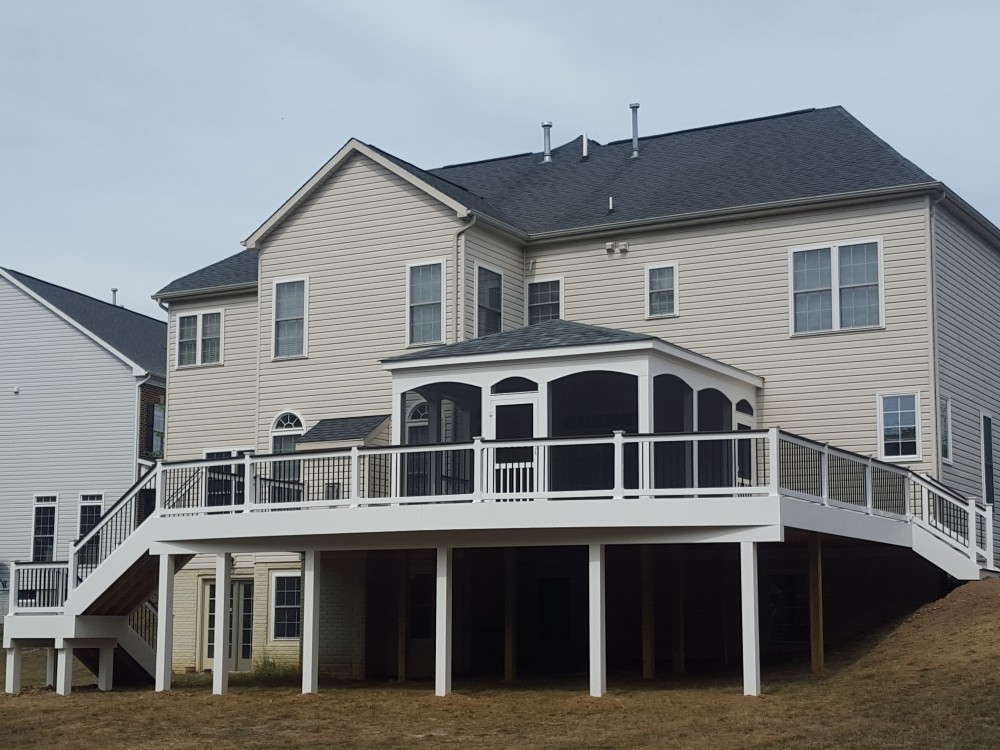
column 499, row 254
column 69, row 428
column 353, row 238
column 733, row 297
column 967, row 309
column 214, row 406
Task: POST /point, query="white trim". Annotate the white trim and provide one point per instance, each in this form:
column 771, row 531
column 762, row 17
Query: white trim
column 351, row 147
column 476, row 266
column 136, row 369
column 55, row 523
column 983, row 414
column 917, row 397
column 677, row 301
column 834, row 248
column 305, row 317
column 233, row 452
column 272, row 595
column 541, row 280
column 950, row 458
column 443, row 262
column 199, row 315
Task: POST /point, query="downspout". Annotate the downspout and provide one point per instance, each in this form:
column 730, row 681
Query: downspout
column 459, row 306
column 932, row 305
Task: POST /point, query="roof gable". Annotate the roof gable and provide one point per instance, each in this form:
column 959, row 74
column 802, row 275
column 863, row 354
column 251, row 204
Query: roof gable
column 136, row 339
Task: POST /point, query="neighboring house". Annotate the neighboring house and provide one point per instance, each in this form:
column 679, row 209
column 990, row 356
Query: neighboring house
column 82, row 400
column 635, row 320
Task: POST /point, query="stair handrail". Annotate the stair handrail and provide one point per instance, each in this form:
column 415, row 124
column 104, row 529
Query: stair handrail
column 129, row 493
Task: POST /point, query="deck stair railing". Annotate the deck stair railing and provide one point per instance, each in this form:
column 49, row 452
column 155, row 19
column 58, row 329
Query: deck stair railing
column 741, row 464
column 143, row 621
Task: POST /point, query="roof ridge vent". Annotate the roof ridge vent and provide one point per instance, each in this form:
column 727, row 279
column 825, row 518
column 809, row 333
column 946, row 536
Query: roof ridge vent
column 547, row 153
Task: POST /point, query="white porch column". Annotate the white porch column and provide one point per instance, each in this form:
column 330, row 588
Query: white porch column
column 50, row 667
column 165, row 624
column 310, row 621
column 106, row 667
column 751, row 633
column 223, row 577
column 598, row 671
column 64, row 668
column 12, row 682
column 442, row 623
column 645, row 385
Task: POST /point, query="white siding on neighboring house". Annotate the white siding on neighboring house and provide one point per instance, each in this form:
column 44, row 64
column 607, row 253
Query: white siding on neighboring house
column 69, row 429
column 967, row 326
column 212, row 407
column 353, row 238
column 733, row 298
column 504, row 256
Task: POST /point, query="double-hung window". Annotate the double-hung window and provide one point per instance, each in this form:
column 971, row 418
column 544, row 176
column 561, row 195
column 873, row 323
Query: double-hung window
column 544, row 300
column 157, row 429
column 43, row 537
column 899, row 426
column 836, row 287
column 661, row 290
column 287, row 610
column 91, row 507
column 290, row 316
column 425, row 292
column 489, row 301
column 199, row 339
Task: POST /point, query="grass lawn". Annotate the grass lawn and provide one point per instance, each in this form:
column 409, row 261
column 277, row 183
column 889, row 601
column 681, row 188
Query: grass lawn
column 930, row 681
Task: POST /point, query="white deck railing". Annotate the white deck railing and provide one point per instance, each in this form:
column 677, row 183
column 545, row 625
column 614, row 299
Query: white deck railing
column 743, row 464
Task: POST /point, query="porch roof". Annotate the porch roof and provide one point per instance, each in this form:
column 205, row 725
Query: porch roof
column 343, row 428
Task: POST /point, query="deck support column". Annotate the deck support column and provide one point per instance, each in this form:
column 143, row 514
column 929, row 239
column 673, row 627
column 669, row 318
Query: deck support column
column 106, row 667
column 50, row 667
column 165, row 624
column 401, row 612
column 510, row 614
column 648, row 614
column 64, row 668
column 223, row 581
column 12, row 681
column 816, row 641
column 751, row 633
column 598, row 671
column 310, row 621
column 677, row 609
column 442, row 624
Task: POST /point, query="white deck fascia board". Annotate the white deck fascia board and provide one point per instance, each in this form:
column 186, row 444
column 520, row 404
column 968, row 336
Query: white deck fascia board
column 808, row 516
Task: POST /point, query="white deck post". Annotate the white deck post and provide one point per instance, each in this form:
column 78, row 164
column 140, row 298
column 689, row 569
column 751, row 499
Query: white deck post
column 598, row 672
column 248, row 484
column 50, row 667
column 165, row 624
column 774, row 460
column 106, row 667
column 12, row 682
column 223, row 577
column 64, row 668
column 442, row 623
column 751, row 634
column 310, row 621
column 619, row 472
column 646, row 398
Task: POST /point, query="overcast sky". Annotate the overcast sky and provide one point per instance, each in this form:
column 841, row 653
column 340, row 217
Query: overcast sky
column 140, row 141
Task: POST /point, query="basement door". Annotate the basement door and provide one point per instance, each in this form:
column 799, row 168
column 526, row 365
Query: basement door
column 240, row 621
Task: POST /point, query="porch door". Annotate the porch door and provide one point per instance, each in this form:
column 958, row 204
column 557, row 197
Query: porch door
column 240, row 621
column 515, row 469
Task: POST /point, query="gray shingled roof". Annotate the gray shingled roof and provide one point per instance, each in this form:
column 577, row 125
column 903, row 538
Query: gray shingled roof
column 140, row 338
column 795, row 156
column 551, row 334
column 343, row 428
column 236, row 270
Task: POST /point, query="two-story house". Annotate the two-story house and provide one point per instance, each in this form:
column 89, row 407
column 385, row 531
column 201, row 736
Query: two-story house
column 82, row 407
column 630, row 406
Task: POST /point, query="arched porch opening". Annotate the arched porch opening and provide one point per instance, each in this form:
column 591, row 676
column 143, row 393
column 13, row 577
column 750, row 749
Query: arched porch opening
column 715, row 458
column 673, row 412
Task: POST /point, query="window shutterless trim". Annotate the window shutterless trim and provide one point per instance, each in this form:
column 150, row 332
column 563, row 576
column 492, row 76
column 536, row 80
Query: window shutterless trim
column 442, row 301
column 199, row 314
column 476, row 266
column 54, row 504
column 879, row 396
column 834, row 248
column 305, row 317
column 541, row 280
column 677, row 308
column 945, row 401
column 272, row 609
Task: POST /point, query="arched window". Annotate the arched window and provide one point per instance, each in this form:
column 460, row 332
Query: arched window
column 515, row 385
column 285, row 432
column 743, row 407
column 417, row 429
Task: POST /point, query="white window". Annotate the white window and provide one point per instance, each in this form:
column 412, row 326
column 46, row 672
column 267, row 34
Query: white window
column 91, row 508
column 944, row 426
column 836, row 287
column 43, row 531
column 899, row 426
column 157, row 428
column 425, row 290
column 544, row 300
column 286, row 607
column 661, row 290
column 199, row 339
column 291, row 318
column 489, row 301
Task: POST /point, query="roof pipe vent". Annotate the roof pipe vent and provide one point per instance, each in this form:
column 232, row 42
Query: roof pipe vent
column 547, row 153
column 114, row 296
column 586, row 143
column 634, row 106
